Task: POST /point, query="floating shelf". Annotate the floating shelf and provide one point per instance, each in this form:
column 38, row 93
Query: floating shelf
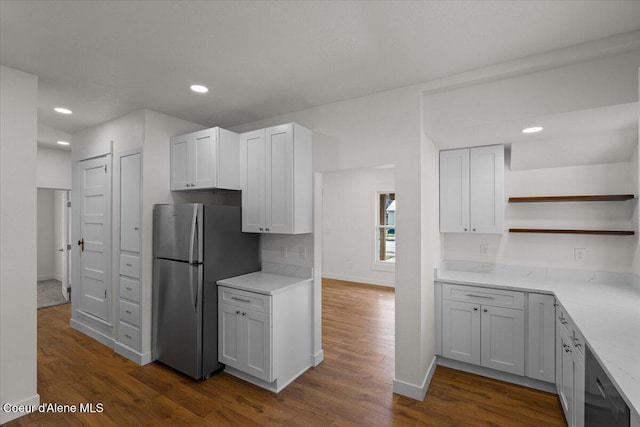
column 587, row 198
column 556, row 231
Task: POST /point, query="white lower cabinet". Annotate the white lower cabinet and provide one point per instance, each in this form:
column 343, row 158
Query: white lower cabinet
column 484, row 335
column 245, row 340
column 541, row 341
column 265, row 339
column 570, row 373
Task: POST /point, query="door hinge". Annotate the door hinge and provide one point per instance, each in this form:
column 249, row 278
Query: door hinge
column 105, row 294
column 68, row 204
column 68, row 247
column 105, row 168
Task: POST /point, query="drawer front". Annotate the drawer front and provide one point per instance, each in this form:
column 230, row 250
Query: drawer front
column 129, row 335
column 484, row 296
column 249, row 300
column 130, row 289
column 130, row 312
column 130, row 265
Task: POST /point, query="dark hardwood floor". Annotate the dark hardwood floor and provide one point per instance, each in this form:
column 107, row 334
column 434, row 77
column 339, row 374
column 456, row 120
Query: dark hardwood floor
column 353, row 386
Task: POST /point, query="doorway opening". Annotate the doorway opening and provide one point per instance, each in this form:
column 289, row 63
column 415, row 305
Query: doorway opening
column 53, row 284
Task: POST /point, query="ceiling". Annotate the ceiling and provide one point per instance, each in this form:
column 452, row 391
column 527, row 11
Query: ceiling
column 103, row 59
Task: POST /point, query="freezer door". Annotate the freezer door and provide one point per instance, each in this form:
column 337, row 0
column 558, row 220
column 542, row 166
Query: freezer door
column 177, row 232
column 177, row 316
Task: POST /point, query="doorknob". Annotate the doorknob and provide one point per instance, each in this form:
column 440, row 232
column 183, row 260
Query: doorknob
column 61, row 250
column 81, row 244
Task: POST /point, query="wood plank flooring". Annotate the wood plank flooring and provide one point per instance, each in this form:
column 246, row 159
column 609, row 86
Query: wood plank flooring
column 352, row 387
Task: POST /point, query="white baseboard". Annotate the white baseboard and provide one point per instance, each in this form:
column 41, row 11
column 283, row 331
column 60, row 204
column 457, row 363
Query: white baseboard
column 31, row 402
column 357, row 279
column 42, row 277
column 92, row 333
column 497, row 375
column 416, row 392
column 317, row 358
column 131, row 354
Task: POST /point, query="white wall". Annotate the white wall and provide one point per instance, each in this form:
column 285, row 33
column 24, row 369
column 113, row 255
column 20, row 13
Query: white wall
column 46, row 234
column 18, row 225
column 54, row 168
column 148, row 131
column 376, row 130
column 60, row 233
column 349, row 225
column 611, row 253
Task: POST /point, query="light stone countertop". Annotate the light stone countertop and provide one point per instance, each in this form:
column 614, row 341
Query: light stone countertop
column 263, row 283
column 604, row 306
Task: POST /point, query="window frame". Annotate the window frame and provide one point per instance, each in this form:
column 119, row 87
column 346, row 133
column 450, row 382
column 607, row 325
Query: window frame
column 377, row 263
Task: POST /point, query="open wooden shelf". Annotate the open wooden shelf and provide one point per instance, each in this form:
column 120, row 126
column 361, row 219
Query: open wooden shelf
column 557, row 231
column 585, row 198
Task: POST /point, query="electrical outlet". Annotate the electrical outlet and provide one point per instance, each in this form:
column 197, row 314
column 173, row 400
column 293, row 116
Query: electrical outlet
column 302, row 251
column 484, row 249
column 579, row 254
column 283, row 252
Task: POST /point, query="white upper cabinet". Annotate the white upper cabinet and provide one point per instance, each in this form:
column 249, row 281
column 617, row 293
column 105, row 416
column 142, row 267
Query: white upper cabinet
column 205, row 159
column 472, row 190
column 277, row 180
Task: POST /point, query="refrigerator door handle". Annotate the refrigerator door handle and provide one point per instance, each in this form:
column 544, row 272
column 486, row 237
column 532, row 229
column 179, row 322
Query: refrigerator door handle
column 194, row 224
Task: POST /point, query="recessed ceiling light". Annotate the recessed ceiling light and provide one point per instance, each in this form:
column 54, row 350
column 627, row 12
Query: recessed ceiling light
column 199, row 88
column 532, row 129
column 62, row 110
column 63, row 143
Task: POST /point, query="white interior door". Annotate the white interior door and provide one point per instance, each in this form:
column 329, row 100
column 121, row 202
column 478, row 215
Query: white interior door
column 95, row 240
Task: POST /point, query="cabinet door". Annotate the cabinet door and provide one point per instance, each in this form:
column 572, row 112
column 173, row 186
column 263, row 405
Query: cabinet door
column 503, row 339
column 454, row 191
column 279, row 179
column 487, row 189
column 130, row 183
column 542, row 337
column 578, row 390
column 180, row 169
column 203, row 157
column 461, row 331
column 229, row 336
column 252, row 182
column 256, row 331
column 566, row 378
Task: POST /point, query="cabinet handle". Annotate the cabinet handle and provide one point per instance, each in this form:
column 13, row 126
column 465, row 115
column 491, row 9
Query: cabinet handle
column 261, row 229
column 237, row 311
column 128, row 288
column 563, row 321
column 136, row 228
column 465, row 229
column 128, row 336
column 474, row 229
column 266, row 229
column 576, row 342
column 567, row 349
column 479, row 296
column 485, row 310
column 128, row 311
column 475, row 308
column 128, row 265
column 244, row 314
column 241, row 299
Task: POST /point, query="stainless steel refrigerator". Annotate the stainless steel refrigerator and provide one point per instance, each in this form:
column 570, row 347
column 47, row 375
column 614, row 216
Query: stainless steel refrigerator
column 193, row 247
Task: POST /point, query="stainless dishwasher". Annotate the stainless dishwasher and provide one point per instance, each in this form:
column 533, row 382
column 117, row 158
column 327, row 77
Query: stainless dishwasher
column 604, row 406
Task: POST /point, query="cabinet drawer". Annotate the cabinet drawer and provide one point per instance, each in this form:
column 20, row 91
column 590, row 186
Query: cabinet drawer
column 130, row 265
column 485, row 296
column 130, row 312
column 130, row 289
column 250, row 300
column 129, row 335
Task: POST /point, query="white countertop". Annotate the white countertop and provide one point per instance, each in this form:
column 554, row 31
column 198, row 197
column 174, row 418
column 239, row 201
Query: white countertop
column 263, row 283
column 604, row 306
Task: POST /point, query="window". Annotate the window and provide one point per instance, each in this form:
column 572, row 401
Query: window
column 386, row 228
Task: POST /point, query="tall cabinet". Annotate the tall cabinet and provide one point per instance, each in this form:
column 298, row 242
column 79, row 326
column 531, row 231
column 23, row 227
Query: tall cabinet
column 472, row 190
column 128, row 340
column 277, row 180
